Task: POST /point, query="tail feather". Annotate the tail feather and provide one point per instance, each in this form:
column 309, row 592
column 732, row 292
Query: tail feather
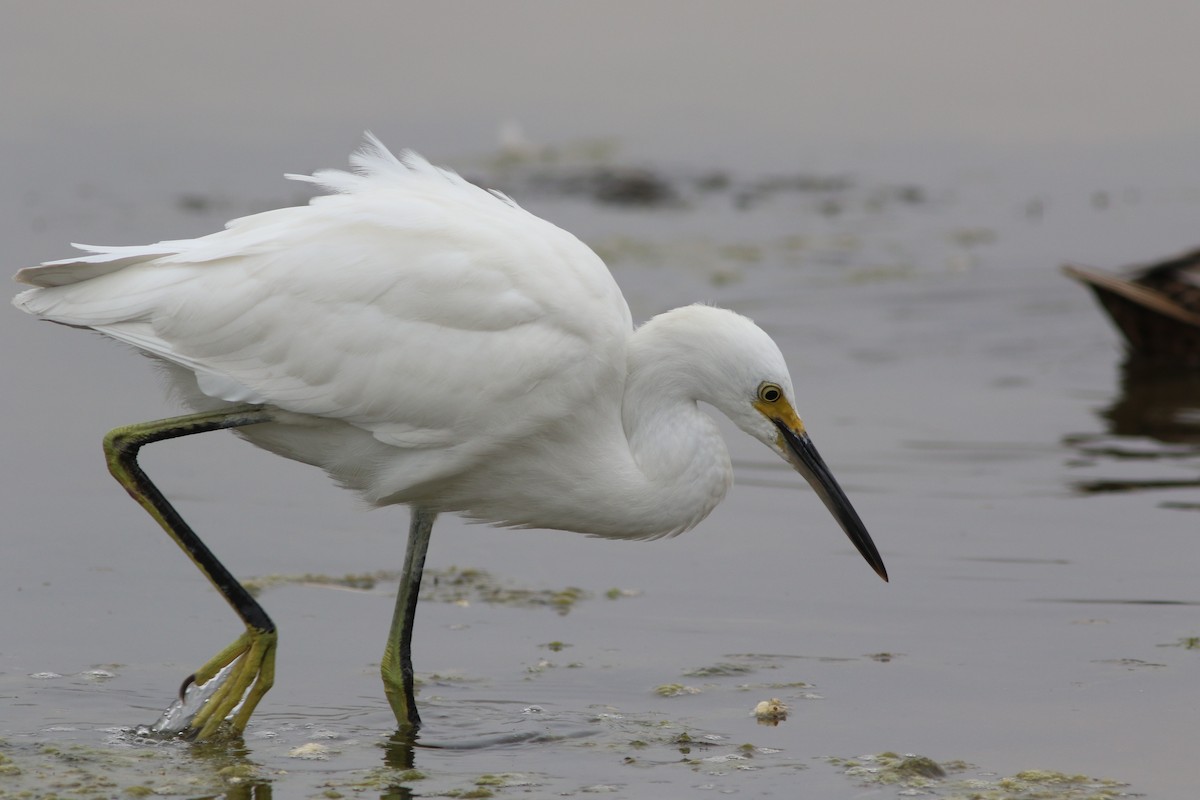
column 101, row 261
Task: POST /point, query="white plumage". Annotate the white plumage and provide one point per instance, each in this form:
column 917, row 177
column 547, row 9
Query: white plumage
column 429, row 342
column 442, row 346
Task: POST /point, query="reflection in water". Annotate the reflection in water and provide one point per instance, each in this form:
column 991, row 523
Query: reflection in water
column 1157, row 400
column 241, row 777
column 258, row 790
column 1155, row 417
column 399, row 754
column 1157, row 310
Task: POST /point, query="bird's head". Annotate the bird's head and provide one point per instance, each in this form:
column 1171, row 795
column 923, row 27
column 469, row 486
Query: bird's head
column 739, row 370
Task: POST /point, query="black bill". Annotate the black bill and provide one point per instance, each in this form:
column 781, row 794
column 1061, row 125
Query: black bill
column 808, row 462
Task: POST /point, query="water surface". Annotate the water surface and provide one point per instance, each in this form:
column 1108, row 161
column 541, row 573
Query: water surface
column 887, row 189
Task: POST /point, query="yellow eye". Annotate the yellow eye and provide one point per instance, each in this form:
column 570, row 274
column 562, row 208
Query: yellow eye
column 770, row 392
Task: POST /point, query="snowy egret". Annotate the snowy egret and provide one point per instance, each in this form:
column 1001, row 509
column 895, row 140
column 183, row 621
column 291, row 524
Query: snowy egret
column 430, row 343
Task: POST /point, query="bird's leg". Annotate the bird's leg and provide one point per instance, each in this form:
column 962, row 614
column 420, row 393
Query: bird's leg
column 252, row 655
column 396, row 666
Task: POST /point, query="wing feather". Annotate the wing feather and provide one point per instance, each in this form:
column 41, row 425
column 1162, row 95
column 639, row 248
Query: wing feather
column 411, row 304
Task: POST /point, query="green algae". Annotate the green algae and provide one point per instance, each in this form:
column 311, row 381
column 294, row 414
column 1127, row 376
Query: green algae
column 375, row 780
column 466, row 585
column 362, row 581
column 953, row 780
column 1186, row 642
column 460, row 585
column 754, row 687
column 121, row 770
column 719, row 670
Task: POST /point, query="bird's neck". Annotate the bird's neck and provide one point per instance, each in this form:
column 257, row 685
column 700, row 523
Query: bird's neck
column 681, row 465
column 655, row 469
column 681, row 456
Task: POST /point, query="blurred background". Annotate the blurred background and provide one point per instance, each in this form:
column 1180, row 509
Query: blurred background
column 888, row 188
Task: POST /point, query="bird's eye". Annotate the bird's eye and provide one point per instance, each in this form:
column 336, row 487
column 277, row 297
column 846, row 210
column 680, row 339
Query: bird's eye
column 769, row 392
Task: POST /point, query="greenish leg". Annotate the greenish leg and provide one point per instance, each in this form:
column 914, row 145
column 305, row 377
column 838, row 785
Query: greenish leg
column 254, row 650
column 397, row 656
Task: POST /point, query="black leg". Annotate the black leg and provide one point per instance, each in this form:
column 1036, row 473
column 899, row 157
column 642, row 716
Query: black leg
column 254, row 650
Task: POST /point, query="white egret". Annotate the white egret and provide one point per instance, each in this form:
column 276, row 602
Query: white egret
column 428, row 343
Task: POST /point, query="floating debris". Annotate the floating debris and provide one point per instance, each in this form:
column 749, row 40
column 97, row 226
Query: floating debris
column 1156, row 308
column 771, row 712
column 313, row 751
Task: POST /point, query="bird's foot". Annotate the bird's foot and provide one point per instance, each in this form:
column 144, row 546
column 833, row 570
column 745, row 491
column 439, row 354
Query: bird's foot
column 217, row 701
column 404, row 706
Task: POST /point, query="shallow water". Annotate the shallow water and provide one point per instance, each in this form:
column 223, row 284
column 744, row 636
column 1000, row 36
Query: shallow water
column 896, row 224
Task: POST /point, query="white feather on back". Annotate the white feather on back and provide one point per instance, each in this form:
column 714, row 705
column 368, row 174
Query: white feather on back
column 412, row 305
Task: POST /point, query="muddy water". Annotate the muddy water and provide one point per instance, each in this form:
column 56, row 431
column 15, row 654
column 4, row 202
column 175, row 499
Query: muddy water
column 896, row 225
